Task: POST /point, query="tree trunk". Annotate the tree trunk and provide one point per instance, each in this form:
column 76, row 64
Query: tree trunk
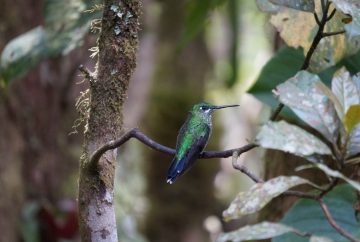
column 117, row 44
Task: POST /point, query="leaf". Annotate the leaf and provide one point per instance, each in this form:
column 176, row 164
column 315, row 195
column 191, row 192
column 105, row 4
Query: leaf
column 329, row 51
column 352, row 117
column 266, row 6
column 353, row 147
column 356, row 79
column 337, row 174
column 338, row 106
column 259, row 195
column 315, row 238
column 290, row 138
column 351, row 7
column 306, row 215
column 303, row 5
column 345, row 89
column 264, row 230
column 65, row 26
column 302, row 95
column 274, row 73
column 22, row 53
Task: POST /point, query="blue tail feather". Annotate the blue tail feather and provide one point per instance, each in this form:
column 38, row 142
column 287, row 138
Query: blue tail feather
column 175, row 170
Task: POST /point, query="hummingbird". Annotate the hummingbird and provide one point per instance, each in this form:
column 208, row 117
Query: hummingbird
column 192, row 138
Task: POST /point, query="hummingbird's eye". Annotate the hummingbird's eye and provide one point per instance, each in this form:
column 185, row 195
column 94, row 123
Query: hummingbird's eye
column 204, row 108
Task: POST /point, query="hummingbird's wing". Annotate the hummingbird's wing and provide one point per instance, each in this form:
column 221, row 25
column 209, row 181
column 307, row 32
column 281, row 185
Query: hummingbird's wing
column 189, row 145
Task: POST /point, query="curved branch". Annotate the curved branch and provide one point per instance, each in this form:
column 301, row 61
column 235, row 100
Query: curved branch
column 136, row 133
column 332, row 222
column 133, row 133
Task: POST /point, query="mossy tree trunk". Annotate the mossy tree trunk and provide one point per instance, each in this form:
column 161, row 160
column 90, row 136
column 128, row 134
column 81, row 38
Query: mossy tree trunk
column 117, row 44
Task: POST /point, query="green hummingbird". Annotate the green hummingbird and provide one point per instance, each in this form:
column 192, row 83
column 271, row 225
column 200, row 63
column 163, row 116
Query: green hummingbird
column 192, row 139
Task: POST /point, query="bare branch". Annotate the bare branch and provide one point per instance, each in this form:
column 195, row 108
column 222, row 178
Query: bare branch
column 317, row 18
column 331, row 185
column 323, row 5
column 243, row 169
column 277, row 112
column 334, row 224
column 331, row 15
column 133, row 133
column 327, row 34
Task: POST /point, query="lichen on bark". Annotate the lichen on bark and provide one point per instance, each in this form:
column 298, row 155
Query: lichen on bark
column 117, row 43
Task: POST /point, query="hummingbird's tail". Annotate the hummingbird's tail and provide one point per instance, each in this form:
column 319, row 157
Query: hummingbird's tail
column 176, row 168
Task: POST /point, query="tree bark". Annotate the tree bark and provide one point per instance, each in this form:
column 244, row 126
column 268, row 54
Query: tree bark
column 117, row 44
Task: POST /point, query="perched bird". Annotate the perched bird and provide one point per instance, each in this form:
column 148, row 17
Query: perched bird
column 192, row 139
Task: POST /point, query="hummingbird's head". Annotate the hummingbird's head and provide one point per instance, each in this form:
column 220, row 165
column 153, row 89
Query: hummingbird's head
column 207, row 108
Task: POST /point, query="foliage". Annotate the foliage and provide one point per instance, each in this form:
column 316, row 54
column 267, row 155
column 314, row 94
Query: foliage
column 340, row 202
column 314, row 103
column 333, row 113
column 64, row 28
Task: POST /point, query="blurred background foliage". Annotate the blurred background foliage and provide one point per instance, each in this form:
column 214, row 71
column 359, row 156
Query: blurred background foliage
column 216, row 50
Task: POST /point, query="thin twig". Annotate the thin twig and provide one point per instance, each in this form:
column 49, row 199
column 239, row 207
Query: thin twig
column 331, row 15
column 331, row 185
column 317, row 18
column 322, row 4
column 332, row 222
column 319, row 35
column 277, row 112
column 236, row 165
column 86, row 73
column 133, row 133
column 327, row 34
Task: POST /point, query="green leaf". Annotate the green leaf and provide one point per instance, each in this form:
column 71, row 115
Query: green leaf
column 306, row 215
column 352, row 117
column 353, row 147
column 302, row 95
column 290, row 138
column 303, row 5
column 345, row 89
column 65, row 26
column 264, row 230
column 259, row 195
column 351, row 7
column 334, row 173
column 266, row 6
column 274, row 73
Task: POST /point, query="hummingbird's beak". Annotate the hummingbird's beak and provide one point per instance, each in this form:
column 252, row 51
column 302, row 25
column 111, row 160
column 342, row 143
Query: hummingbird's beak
column 224, row 106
